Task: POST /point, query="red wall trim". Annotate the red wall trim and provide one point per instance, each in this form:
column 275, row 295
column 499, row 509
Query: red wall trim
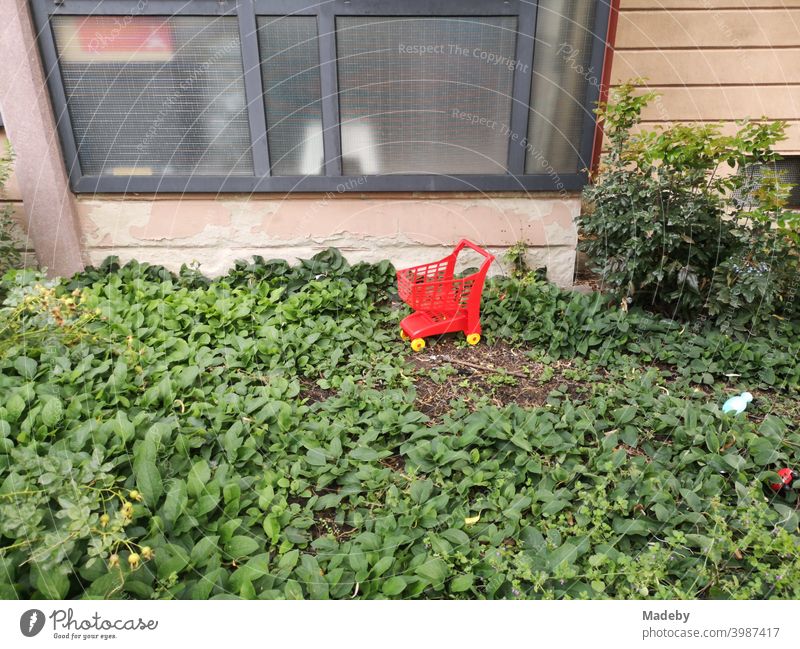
column 605, row 82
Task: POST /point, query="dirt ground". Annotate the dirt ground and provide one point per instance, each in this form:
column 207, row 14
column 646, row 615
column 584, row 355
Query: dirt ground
column 501, row 373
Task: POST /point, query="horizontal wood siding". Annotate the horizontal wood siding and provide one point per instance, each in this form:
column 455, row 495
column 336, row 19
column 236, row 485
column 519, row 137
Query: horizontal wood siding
column 714, row 60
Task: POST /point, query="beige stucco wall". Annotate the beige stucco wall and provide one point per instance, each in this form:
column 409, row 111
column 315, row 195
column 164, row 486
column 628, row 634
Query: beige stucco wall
column 407, row 229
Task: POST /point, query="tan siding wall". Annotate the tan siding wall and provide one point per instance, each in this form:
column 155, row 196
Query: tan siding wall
column 714, row 60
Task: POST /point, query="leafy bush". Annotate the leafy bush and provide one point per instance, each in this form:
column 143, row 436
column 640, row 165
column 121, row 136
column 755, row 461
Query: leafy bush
column 9, row 253
column 759, row 279
column 257, row 436
column 37, row 310
column 664, row 229
column 566, row 324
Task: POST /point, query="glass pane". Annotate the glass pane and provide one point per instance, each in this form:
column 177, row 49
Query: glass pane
column 425, row 95
column 561, row 76
column 290, row 70
column 154, row 95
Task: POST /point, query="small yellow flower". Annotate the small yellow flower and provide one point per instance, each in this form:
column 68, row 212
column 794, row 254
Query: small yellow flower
column 135, row 495
column 113, row 560
column 104, row 520
column 133, row 560
column 147, row 553
column 127, row 510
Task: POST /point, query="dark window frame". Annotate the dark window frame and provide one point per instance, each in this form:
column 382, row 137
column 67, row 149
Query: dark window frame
column 332, row 180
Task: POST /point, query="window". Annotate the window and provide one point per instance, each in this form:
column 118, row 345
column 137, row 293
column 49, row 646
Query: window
column 369, row 95
column 407, row 94
column 155, row 95
column 289, row 51
column 562, row 73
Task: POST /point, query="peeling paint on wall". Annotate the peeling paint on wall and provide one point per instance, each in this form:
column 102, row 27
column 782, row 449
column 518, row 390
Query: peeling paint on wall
column 216, row 232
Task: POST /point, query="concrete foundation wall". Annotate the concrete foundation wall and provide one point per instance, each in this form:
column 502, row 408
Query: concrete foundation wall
column 215, row 231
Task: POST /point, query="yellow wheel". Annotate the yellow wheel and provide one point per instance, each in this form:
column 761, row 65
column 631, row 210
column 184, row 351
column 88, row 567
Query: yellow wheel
column 404, row 335
column 473, row 339
column 418, row 344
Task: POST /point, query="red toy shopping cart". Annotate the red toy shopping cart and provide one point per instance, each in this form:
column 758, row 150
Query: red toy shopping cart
column 442, row 303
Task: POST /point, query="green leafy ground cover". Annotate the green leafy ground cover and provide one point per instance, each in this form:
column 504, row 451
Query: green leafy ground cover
column 264, row 436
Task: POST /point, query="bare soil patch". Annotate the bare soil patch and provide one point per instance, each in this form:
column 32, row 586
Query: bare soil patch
column 499, row 372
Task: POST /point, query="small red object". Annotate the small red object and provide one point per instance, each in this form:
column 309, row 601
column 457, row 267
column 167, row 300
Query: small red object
column 443, row 303
column 787, row 477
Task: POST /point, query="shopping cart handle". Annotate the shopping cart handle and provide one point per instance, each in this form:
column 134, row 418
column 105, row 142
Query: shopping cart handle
column 466, row 243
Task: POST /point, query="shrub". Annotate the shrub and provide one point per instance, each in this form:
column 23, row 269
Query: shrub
column 9, row 253
column 758, row 280
column 565, row 324
column 663, row 229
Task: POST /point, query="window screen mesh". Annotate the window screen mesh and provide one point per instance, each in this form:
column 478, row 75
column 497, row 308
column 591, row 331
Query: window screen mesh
column 290, row 70
column 787, row 171
column 155, row 95
column 561, row 74
column 425, row 95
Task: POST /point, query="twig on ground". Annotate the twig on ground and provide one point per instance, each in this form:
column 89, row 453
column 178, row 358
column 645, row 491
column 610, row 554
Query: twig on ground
column 483, row 368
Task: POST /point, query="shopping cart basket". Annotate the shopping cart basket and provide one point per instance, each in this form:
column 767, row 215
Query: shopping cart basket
column 442, row 303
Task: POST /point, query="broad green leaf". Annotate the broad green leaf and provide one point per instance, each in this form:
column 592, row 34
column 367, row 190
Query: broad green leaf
column 203, row 550
column 272, row 528
column 456, row 537
column 421, row 490
column 123, row 428
column 289, row 560
column 148, row 480
column 624, row 415
column 461, row 583
column 712, row 441
column 393, row 586
column 364, row 454
column 199, row 475
column 292, row 590
column 241, row 546
column 175, row 501
column 435, row 571
column 25, row 366
column 51, row 583
column 384, row 563
column 316, row 457
column 52, row 412
column 15, row 406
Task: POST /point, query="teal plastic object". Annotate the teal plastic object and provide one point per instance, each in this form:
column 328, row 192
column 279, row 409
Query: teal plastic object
column 737, row 404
